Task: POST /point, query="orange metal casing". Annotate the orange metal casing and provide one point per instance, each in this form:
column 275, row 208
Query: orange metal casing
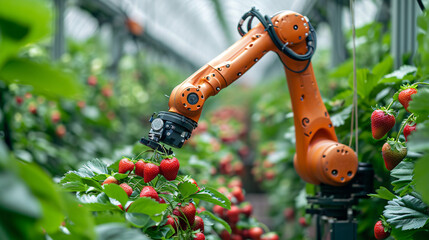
column 319, row 157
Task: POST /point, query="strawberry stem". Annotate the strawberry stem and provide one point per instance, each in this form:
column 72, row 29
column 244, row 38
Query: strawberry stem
column 390, row 104
column 403, row 125
column 418, row 83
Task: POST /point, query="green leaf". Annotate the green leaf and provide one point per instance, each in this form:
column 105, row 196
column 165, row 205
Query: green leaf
column 421, row 177
column 120, row 176
column 419, row 104
column 119, row 231
column 45, row 80
column 366, row 82
column 82, row 226
column 406, row 213
column 404, row 174
column 382, row 68
column 29, row 21
column 187, row 189
column 96, row 166
column 338, row 119
column 16, row 197
column 399, row 74
column 161, row 232
column 149, row 207
column 383, row 193
column 116, row 192
column 217, row 219
column 139, row 220
column 211, row 195
column 98, row 202
column 418, row 140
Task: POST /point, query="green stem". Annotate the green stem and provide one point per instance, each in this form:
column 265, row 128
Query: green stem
column 418, row 83
column 402, row 127
column 390, row 104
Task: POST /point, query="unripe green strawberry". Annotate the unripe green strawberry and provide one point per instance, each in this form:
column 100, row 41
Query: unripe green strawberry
column 393, row 153
column 110, row 180
column 150, row 192
column 408, row 129
column 125, row 165
column 150, row 172
column 379, row 231
column 382, row 121
column 404, row 96
column 128, row 190
column 169, row 168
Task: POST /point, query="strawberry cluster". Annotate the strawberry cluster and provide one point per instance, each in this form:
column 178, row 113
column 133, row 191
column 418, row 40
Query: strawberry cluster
column 383, row 120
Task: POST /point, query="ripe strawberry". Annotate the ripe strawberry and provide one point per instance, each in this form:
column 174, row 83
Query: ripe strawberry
column 302, row 221
column 194, row 182
column 125, row 165
column 161, row 200
column 198, row 224
column 32, row 109
column 186, row 214
column 408, row 129
column 236, row 237
column 233, row 214
column 201, row 209
column 55, row 116
column 289, row 214
column 218, row 210
column 199, row 236
column 255, row 233
column 381, row 123
column 110, row 180
column 92, row 80
column 237, row 192
column 379, row 231
column 150, row 172
column 169, row 168
column 171, row 221
column 81, row 104
column 270, row 236
column 139, row 168
column 150, row 192
column 19, row 100
column 404, row 96
column 120, row 206
column 60, row 131
column 247, row 210
column 224, row 235
column 128, row 190
column 393, row 153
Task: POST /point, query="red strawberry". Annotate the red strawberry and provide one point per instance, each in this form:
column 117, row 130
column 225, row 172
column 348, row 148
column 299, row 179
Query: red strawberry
column 186, row 214
column 233, row 214
column 270, row 236
column 289, row 214
column 161, row 200
column 224, row 235
column 120, row 206
column 381, row 123
column 194, row 182
column 393, row 153
column 247, row 210
column 150, row 172
column 237, row 192
column 32, row 109
column 150, row 192
column 218, row 210
column 171, row 221
column 255, row 233
column 379, row 231
column 125, row 165
column 303, row 222
column 408, row 129
column 198, row 224
column 92, row 80
column 128, row 190
column 55, row 116
column 404, row 96
column 60, row 131
column 169, row 168
column 110, row 180
column 140, row 168
column 199, row 236
column 19, row 100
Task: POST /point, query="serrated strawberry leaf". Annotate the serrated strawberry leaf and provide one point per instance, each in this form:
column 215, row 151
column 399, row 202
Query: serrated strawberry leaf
column 399, row 74
column 211, row 195
column 119, row 231
column 407, row 212
column 217, row 219
column 383, row 193
column 164, row 232
column 116, row 192
column 98, row 202
column 404, row 177
column 187, row 189
column 419, row 105
column 421, row 177
column 120, row 176
column 149, row 207
column 96, row 166
column 75, row 186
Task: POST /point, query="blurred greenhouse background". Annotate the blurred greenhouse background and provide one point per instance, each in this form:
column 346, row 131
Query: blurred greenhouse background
column 80, row 79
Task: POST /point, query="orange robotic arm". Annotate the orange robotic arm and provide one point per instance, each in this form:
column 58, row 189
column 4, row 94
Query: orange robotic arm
column 319, row 157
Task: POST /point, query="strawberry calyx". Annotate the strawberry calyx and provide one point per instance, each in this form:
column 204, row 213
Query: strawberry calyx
column 386, row 110
column 402, row 88
column 396, row 145
column 386, row 225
